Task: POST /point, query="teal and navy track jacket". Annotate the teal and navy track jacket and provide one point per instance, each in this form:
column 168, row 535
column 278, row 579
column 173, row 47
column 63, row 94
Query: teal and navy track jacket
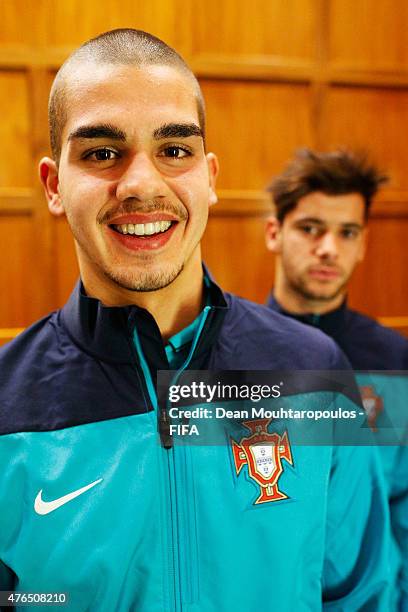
column 380, row 357
column 92, row 505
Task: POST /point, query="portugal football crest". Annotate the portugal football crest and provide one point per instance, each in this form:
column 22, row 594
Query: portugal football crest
column 262, row 452
column 372, row 403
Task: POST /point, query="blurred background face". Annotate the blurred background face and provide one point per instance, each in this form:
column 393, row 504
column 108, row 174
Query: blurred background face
column 320, row 242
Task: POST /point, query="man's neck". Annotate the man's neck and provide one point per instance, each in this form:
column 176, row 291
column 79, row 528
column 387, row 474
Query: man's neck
column 174, row 307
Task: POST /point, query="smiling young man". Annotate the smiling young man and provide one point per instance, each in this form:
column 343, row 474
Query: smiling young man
column 319, row 234
column 145, row 177
column 91, row 503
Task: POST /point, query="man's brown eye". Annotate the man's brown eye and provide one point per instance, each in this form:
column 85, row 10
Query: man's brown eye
column 349, row 233
column 103, row 154
column 175, row 152
column 309, row 229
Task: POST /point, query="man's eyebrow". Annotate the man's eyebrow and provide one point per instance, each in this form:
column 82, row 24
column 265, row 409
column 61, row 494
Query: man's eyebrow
column 320, row 222
column 100, row 130
column 314, row 220
column 177, row 130
column 352, row 225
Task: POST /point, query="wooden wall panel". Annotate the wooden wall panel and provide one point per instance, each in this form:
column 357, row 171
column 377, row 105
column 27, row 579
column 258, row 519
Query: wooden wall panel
column 21, row 294
column 53, row 24
column 283, row 28
column 22, row 22
column 16, row 168
column 379, row 286
column 371, row 119
column 264, row 123
column 66, row 267
column 234, row 250
column 369, row 34
column 160, row 18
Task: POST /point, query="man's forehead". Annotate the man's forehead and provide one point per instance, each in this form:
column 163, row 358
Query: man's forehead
column 341, row 209
column 100, row 96
column 87, row 74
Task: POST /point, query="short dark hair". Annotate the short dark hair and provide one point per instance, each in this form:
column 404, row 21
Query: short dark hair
column 335, row 173
column 122, row 46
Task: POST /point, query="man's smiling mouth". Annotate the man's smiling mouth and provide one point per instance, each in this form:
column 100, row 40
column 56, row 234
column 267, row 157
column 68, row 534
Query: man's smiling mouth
column 142, row 229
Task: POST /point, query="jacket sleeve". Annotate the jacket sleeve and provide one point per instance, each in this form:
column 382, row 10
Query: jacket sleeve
column 356, row 565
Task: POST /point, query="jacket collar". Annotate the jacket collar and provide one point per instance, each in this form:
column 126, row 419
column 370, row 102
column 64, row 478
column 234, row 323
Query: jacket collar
column 106, row 332
column 332, row 323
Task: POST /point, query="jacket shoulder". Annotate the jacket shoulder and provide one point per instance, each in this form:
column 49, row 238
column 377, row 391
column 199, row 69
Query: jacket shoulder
column 48, row 382
column 272, row 340
column 385, row 347
column 31, row 341
column 24, row 362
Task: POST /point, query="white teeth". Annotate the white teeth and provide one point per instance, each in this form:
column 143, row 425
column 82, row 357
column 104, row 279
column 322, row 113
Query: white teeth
column 143, row 229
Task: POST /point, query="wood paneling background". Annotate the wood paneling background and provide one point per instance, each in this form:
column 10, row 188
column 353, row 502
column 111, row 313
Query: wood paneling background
column 276, row 76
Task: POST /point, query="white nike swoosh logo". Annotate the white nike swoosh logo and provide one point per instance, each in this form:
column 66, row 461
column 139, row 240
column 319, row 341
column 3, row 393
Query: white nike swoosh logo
column 43, row 507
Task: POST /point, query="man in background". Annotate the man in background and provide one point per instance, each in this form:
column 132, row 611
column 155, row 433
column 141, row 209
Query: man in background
column 319, row 234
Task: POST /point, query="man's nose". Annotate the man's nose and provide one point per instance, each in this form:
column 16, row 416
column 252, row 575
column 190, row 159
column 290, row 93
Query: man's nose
column 141, row 180
column 327, row 247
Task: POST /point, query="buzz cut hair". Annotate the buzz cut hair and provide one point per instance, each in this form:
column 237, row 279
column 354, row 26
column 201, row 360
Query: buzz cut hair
column 338, row 172
column 123, row 46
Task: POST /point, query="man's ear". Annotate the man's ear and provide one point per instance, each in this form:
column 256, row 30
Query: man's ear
column 273, row 234
column 213, row 169
column 49, row 178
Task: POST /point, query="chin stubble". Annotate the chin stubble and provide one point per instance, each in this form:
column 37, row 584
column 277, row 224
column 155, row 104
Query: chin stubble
column 301, row 288
column 145, row 282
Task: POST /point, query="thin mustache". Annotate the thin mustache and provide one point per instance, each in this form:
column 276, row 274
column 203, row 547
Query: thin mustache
column 129, row 208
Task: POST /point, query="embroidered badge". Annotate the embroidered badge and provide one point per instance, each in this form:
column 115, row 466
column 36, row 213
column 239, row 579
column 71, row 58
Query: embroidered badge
column 262, row 452
column 373, row 405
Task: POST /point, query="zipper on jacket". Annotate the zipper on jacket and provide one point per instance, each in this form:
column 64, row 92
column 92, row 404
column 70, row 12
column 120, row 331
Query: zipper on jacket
column 185, row 509
column 181, row 549
column 174, row 595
